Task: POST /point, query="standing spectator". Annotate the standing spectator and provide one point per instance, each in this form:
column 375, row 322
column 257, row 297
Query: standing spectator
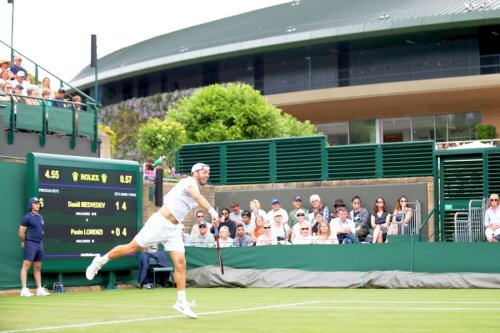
column 241, row 238
column 59, row 101
column 31, row 234
column 226, row 221
column 325, row 235
column 300, row 217
column 247, row 223
column 18, row 60
column 339, row 203
column 360, row 216
column 344, row 228
column 280, row 229
column 259, row 227
column 256, row 210
column 224, row 239
column 199, row 219
column 267, row 238
column 276, row 207
column 401, row 217
column 379, row 220
column 305, row 235
column 317, row 206
column 235, row 214
column 492, row 220
column 292, row 216
column 203, row 238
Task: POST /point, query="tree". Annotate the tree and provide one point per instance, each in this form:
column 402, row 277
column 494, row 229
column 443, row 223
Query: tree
column 161, row 138
column 112, row 137
column 234, row 111
column 485, row 132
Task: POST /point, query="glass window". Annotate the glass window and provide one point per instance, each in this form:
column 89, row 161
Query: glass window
column 423, row 128
column 441, row 128
column 337, row 133
column 362, row 131
column 396, row 129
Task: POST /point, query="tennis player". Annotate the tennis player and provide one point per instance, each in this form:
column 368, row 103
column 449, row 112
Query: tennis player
column 164, row 227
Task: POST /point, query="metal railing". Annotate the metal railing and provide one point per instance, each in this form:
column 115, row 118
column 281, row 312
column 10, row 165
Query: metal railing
column 412, row 227
column 469, row 225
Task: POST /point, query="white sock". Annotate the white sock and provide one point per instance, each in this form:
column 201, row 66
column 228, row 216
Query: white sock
column 104, row 259
column 181, row 295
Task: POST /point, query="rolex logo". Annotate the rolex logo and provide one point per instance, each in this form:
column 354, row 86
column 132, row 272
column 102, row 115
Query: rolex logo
column 104, row 178
column 75, row 176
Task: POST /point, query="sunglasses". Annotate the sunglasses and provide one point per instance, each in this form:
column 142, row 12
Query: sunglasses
column 403, row 200
column 202, row 226
column 493, row 199
column 301, row 214
column 267, row 227
column 304, row 228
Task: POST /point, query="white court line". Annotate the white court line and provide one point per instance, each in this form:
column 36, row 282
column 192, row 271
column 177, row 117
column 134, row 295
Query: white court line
column 391, row 308
column 155, row 318
column 409, row 302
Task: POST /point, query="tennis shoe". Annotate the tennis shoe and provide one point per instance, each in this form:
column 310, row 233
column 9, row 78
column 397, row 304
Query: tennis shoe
column 185, row 309
column 42, row 292
column 94, row 268
column 25, row 292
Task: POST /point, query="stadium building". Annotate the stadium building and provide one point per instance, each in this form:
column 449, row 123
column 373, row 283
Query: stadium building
column 362, row 71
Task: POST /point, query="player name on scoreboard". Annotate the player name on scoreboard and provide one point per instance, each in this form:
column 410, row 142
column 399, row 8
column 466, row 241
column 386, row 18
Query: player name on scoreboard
column 87, row 204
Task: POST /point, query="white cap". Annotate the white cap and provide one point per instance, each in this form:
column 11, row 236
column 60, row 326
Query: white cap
column 21, row 73
column 199, row 166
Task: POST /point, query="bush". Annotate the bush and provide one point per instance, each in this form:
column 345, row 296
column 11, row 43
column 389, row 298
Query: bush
column 485, row 132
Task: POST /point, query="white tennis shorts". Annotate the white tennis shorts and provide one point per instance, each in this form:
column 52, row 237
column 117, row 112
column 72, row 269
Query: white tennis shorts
column 160, row 230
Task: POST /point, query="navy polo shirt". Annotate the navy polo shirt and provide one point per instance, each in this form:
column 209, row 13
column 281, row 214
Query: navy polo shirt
column 34, row 223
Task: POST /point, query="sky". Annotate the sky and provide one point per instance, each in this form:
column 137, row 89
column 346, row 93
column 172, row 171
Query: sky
column 56, row 33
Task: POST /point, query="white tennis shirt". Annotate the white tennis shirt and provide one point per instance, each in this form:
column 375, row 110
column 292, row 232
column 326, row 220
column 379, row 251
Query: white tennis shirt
column 178, row 200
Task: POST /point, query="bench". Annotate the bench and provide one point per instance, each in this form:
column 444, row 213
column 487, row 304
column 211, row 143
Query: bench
column 160, row 269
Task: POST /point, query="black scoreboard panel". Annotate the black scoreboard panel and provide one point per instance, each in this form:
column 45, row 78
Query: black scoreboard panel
column 89, row 206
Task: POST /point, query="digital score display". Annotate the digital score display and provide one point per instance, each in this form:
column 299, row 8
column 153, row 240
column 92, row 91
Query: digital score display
column 89, row 206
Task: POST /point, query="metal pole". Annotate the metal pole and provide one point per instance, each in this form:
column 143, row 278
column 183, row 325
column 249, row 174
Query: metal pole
column 12, row 33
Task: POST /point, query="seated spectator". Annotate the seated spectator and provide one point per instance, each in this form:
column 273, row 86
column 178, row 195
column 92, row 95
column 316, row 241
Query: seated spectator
column 241, row 238
column 18, row 91
column 46, row 86
column 59, row 101
column 77, row 102
column 339, row 203
column 317, row 206
column 325, row 235
column 379, row 221
column 235, row 214
column 17, row 67
column 344, row 228
column 224, row 239
column 259, row 228
column 256, row 210
column 5, row 65
column 33, row 94
column 276, row 207
column 292, row 215
column 226, row 221
column 19, row 79
column 305, row 234
column 267, row 238
column 401, row 217
column 317, row 219
column 360, row 216
column 300, row 218
column 246, row 217
column 45, row 98
column 199, row 219
column 203, row 238
column 5, row 76
column 492, row 220
column 7, row 91
column 185, row 236
column 280, row 229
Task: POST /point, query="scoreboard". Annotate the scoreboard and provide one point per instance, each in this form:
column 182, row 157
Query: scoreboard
column 89, row 206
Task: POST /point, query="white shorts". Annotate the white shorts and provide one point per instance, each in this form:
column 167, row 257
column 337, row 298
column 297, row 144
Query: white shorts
column 490, row 233
column 160, row 230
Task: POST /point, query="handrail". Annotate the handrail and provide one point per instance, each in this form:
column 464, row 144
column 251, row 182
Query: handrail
column 424, row 224
column 49, row 72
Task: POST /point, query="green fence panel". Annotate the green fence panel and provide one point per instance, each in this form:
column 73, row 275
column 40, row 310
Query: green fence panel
column 29, row 117
column 5, row 109
column 407, row 159
column 247, row 162
column 352, row 162
column 204, row 153
column 493, row 183
column 60, row 120
column 85, row 123
column 299, row 159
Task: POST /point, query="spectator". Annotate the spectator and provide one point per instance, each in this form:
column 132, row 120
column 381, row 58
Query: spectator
column 247, row 222
column 379, row 220
column 292, row 216
column 339, row 203
column 235, row 214
column 18, row 90
column 46, row 85
column 241, row 238
column 401, row 217
column 33, row 94
column 226, row 221
column 360, row 216
column 276, row 207
column 17, row 66
column 5, row 76
column 255, row 208
column 149, row 172
column 203, row 238
column 59, row 101
column 267, row 238
column 19, row 80
column 45, row 98
column 492, row 220
column 280, row 229
column 7, row 90
column 317, row 219
column 5, row 65
column 77, row 102
column 224, row 239
column 199, row 219
column 186, row 239
column 325, row 235
column 343, row 227
column 305, row 234
column 259, row 227
column 317, row 206
column 300, row 217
